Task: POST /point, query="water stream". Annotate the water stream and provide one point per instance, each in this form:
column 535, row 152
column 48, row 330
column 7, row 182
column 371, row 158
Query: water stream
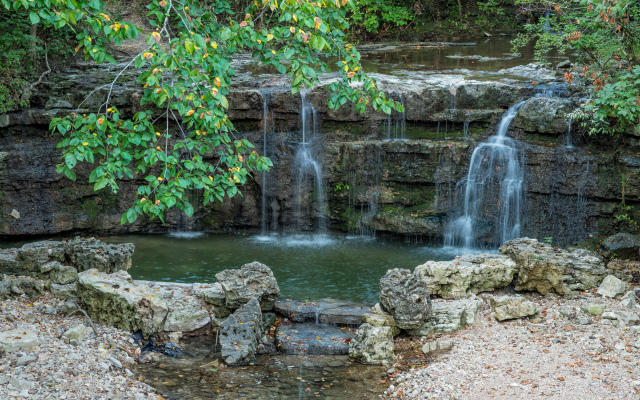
column 496, row 167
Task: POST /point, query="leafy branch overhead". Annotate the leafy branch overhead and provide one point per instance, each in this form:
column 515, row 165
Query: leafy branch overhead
column 184, row 140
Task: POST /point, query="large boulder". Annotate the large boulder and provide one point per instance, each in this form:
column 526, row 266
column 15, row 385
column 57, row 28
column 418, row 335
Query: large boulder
column 91, row 253
column 240, row 332
column 18, row 339
column 63, row 274
column 372, row 344
column 612, row 287
column 381, row 318
column 405, row 296
column 449, row 317
column 545, row 268
column 544, row 115
column 254, row 280
column 468, row 274
column 512, row 307
column 114, row 299
column 187, row 312
column 623, row 246
column 12, row 287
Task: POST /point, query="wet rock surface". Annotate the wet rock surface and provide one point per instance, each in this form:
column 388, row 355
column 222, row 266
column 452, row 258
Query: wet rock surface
column 323, row 311
column 307, row 338
column 544, row 115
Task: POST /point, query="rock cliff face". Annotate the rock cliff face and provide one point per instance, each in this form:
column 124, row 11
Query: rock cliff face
column 408, row 187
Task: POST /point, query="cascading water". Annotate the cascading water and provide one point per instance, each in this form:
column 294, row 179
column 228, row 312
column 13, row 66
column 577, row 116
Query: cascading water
column 496, row 164
column 267, row 128
column 569, row 141
column 396, row 124
column 306, row 163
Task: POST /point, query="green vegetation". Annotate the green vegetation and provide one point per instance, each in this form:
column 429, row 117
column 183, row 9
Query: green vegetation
column 185, row 69
column 605, row 36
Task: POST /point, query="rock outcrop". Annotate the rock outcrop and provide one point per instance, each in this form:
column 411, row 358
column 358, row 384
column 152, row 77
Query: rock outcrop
column 545, row 268
column 449, row 316
column 544, row 115
column 372, row 344
column 405, row 297
column 113, row 299
column 254, row 280
column 468, row 274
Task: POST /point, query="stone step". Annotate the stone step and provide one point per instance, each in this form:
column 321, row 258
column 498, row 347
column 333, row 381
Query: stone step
column 306, row 338
column 323, row 311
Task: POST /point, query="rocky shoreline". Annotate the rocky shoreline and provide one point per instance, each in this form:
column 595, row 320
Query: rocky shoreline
column 535, row 284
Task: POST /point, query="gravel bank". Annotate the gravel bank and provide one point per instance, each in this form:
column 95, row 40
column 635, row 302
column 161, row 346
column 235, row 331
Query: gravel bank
column 97, row 368
column 565, row 353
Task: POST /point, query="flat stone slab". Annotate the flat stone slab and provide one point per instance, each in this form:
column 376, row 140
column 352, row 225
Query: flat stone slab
column 18, row 339
column 323, row 311
column 313, row 339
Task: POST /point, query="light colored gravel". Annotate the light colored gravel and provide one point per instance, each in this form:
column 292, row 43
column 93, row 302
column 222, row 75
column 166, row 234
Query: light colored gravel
column 98, row 368
column 553, row 356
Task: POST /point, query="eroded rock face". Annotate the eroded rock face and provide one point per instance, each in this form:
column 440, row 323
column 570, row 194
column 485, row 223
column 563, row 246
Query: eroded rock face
column 240, row 333
column 405, row 296
column 113, row 299
column 10, row 287
column 544, row 268
column 449, row 317
column 544, row 115
column 187, row 312
column 467, row 274
column 254, row 280
column 90, row 253
column 512, row 307
column 381, row 319
column 623, row 246
column 372, row 344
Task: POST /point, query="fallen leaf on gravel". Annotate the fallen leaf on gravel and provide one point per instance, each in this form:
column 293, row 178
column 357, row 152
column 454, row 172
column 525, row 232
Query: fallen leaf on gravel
column 560, row 378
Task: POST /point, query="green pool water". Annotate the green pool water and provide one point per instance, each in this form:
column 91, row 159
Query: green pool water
column 306, row 266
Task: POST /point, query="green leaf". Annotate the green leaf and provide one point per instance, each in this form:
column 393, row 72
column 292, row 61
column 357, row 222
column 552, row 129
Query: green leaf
column 33, row 17
column 132, row 215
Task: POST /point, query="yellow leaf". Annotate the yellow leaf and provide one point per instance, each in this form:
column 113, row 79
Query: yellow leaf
column 318, row 22
column 269, row 37
column 156, row 36
column 190, row 113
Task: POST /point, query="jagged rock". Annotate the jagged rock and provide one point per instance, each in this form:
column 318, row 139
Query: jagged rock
column 629, row 299
column 69, row 291
column 372, row 344
column 113, row 299
column 254, row 280
column 17, row 287
column 240, row 332
column 268, row 319
column 622, row 246
column 449, row 317
column 186, row 313
column 564, row 64
column 210, row 293
column 512, row 307
column 91, row 253
column 381, row 319
column 436, row 346
column 612, row 287
column 627, row 318
column 75, row 335
column 63, row 274
column 471, row 273
column 544, row 268
column 49, row 266
column 18, row 339
column 405, row 297
column 544, row 115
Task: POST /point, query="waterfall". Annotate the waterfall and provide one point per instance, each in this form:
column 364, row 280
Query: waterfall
column 465, row 129
column 265, row 123
column 569, row 141
column 396, row 124
column 307, row 163
column 496, row 167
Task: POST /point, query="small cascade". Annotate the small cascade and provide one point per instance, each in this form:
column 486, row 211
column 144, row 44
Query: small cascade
column 396, row 124
column 265, row 123
column 364, row 222
column 569, row 141
column 497, row 166
column 465, row 129
column 307, row 163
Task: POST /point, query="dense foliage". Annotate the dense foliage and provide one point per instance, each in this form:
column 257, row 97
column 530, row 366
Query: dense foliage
column 604, row 35
column 188, row 142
